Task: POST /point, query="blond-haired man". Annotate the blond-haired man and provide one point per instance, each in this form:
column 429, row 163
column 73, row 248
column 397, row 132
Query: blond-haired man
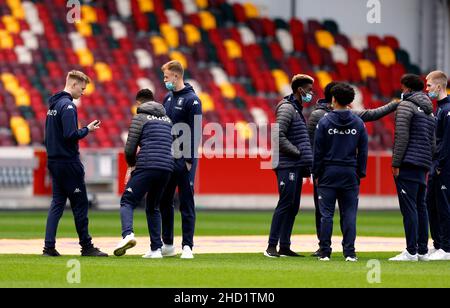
column 438, row 195
column 67, row 172
column 184, row 108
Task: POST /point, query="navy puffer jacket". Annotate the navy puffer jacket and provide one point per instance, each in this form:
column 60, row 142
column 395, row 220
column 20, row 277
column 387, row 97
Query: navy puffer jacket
column 414, row 132
column 151, row 130
column 294, row 144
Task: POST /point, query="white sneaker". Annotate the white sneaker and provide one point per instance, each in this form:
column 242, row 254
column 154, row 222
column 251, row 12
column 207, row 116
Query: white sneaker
column 424, row 258
column 351, row 259
column 432, row 251
column 187, row 253
column 153, row 254
column 405, row 257
column 325, row 259
column 168, row 251
column 440, row 255
column 127, row 243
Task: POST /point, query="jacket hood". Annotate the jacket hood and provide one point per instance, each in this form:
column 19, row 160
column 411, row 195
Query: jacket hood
column 187, row 89
column 152, row 108
column 55, row 98
column 341, row 119
column 323, row 105
column 421, row 100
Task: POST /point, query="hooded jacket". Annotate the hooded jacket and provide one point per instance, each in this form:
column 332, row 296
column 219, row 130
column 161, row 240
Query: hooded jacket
column 340, row 140
column 185, row 107
column 61, row 129
column 414, row 132
column 367, row 115
column 151, row 130
column 293, row 140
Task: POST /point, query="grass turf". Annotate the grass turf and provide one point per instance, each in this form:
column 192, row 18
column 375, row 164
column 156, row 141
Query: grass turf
column 31, row 225
column 219, row 271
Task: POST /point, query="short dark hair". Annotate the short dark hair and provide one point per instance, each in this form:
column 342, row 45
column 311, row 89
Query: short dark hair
column 144, row 96
column 343, row 93
column 327, row 91
column 413, row 82
column 300, row 80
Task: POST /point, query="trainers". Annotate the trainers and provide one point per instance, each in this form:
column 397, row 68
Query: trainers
column 50, row 252
column 92, row 252
column 187, row 253
column 316, row 254
column 289, row 253
column 168, row 251
column 432, row 251
column 351, row 259
column 127, row 243
column 324, row 259
column 405, row 257
column 271, row 252
column 153, row 254
column 424, row 258
column 440, row 255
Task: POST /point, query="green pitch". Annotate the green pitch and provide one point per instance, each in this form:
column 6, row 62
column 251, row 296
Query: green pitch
column 219, row 271
column 31, row 225
column 211, row 270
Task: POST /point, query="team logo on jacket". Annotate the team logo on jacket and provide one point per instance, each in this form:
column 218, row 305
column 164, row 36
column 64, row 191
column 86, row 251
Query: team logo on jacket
column 443, row 187
column 52, row 113
column 180, row 101
column 130, row 190
column 282, row 183
column 196, row 103
column 420, row 110
column 77, row 191
column 70, row 107
column 292, row 177
column 448, row 114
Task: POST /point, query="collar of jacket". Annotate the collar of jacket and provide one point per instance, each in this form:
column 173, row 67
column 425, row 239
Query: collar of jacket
column 444, row 101
column 324, row 105
column 294, row 101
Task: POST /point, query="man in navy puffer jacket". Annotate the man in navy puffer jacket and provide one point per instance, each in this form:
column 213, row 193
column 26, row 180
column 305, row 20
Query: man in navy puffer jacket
column 291, row 163
column 151, row 130
column 340, row 161
column 411, row 161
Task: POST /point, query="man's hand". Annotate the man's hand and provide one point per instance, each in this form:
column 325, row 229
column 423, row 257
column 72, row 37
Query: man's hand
column 128, row 175
column 395, row 172
column 94, row 126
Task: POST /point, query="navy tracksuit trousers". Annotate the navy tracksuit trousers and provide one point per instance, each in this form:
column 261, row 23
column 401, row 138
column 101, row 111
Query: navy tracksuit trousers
column 438, row 204
column 347, row 195
column 290, row 184
column 184, row 180
column 152, row 183
column 411, row 191
column 68, row 183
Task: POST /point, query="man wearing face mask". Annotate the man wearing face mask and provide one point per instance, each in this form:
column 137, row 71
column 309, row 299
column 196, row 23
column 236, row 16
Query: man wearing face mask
column 411, row 162
column 438, row 196
column 294, row 163
column 184, row 108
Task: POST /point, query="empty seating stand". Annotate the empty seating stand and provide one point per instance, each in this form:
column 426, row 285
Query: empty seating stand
column 239, row 62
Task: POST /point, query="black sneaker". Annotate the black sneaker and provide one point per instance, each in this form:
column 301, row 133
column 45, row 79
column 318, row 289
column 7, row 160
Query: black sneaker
column 316, row 254
column 289, row 253
column 271, row 252
column 50, row 252
column 92, row 252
